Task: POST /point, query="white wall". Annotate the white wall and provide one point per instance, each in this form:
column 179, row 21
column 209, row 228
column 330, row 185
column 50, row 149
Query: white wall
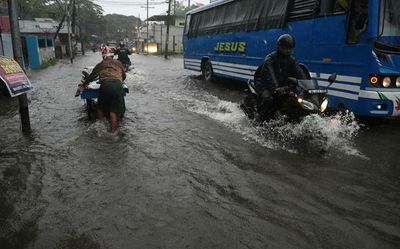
column 155, row 30
column 46, row 54
column 7, row 45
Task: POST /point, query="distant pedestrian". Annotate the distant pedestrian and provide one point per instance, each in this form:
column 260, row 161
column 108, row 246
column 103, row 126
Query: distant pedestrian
column 105, row 49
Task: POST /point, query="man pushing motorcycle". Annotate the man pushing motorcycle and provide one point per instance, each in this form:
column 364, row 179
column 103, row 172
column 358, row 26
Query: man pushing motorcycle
column 272, row 76
column 111, row 100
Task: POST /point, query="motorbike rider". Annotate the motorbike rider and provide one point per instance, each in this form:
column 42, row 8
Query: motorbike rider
column 123, row 54
column 104, row 50
column 272, row 75
column 111, row 100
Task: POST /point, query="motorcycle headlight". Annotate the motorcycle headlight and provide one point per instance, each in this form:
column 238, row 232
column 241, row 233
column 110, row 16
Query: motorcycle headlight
column 324, row 105
column 386, row 82
column 398, row 82
column 307, row 105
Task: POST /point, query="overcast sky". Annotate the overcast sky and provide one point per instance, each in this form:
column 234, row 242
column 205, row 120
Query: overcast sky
column 137, row 7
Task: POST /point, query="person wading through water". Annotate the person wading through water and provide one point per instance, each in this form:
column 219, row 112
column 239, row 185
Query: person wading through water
column 111, row 100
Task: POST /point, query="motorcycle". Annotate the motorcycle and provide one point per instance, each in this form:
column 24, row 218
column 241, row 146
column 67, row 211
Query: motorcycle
column 127, row 65
column 91, row 92
column 292, row 102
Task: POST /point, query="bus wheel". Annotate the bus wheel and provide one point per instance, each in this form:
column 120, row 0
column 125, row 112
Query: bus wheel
column 207, row 71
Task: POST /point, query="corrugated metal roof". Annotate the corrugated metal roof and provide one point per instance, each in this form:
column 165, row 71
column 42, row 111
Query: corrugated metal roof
column 41, row 26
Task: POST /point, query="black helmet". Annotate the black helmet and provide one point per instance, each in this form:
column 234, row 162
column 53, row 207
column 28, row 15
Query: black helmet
column 286, row 44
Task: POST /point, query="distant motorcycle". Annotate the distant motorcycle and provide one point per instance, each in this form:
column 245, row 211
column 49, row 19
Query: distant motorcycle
column 294, row 101
column 127, row 65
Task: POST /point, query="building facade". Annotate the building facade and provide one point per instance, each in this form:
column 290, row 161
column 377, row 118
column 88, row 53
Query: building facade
column 39, row 43
column 158, row 33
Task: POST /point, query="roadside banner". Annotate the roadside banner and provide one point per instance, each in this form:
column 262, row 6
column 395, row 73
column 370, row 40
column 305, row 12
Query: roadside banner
column 14, row 77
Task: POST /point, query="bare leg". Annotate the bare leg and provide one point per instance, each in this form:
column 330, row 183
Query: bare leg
column 113, row 121
column 100, row 114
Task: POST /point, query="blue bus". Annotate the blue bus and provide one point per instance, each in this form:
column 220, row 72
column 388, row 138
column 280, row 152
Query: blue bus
column 357, row 39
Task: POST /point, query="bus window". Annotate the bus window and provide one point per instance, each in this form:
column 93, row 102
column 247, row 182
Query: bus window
column 239, row 16
column 358, row 20
column 389, row 18
column 187, row 24
column 329, row 7
column 342, row 5
column 303, row 9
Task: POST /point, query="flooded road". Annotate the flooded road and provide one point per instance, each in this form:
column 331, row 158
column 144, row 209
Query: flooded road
column 187, row 170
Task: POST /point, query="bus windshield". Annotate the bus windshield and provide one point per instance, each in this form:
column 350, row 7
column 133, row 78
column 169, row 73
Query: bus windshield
column 390, row 18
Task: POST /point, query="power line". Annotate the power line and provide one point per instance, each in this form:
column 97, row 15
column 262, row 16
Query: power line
column 131, row 3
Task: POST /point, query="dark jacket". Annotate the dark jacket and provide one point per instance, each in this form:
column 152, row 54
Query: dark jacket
column 275, row 71
column 108, row 69
column 123, row 54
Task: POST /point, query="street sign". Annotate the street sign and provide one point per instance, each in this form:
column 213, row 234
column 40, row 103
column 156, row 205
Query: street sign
column 14, row 77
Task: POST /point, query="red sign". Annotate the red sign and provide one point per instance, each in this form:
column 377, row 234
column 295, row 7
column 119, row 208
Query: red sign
column 5, row 24
column 14, row 77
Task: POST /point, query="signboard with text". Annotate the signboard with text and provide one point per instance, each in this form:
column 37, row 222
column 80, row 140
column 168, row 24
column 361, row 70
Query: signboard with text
column 14, row 77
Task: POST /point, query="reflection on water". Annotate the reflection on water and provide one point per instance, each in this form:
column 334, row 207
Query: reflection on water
column 19, row 196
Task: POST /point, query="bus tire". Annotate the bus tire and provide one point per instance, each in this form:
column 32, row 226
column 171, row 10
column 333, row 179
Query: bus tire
column 207, row 71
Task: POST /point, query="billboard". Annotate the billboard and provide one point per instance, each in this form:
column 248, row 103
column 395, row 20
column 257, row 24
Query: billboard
column 14, row 77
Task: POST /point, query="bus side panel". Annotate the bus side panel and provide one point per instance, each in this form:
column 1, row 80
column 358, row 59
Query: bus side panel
column 240, row 65
column 329, row 53
column 249, row 50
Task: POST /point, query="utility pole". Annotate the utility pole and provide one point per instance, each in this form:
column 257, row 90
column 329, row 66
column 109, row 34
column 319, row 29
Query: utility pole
column 161, row 37
column 80, row 28
column 73, row 22
column 71, row 53
column 147, row 25
column 189, row 3
column 167, row 35
column 18, row 56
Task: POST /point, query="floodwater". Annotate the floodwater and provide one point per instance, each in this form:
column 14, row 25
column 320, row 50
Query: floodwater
column 187, row 170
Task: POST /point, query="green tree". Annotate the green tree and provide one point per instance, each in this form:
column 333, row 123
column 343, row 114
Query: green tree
column 119, row 27
column 181, row 9
column 89, row 16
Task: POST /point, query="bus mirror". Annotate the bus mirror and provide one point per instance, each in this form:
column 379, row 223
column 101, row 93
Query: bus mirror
column 332, row 78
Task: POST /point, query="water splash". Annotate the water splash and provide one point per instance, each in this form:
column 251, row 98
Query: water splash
column 101, row 129
column 314, row 134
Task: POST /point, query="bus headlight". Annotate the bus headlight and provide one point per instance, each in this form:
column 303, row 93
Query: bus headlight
column 398, row 82
column 324, row 105
column 386, row 82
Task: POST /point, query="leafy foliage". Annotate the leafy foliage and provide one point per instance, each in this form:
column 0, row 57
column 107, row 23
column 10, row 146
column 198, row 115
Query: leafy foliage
column 181, row 9
column 89, row 17
column 119, row 26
